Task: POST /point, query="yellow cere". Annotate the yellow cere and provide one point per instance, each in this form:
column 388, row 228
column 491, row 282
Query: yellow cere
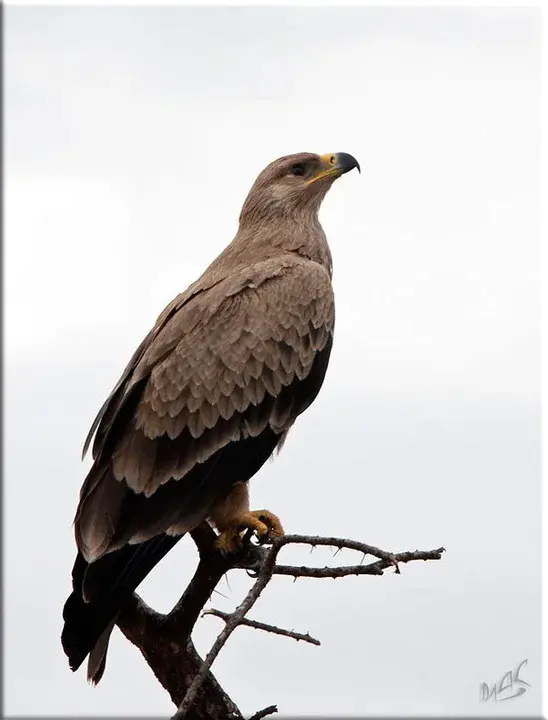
column 331, row 167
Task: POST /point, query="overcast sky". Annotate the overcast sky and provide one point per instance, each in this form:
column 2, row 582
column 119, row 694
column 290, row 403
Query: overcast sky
column 132, row 138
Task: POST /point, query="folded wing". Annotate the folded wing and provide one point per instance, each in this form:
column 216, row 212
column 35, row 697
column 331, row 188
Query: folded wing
column 235, row 362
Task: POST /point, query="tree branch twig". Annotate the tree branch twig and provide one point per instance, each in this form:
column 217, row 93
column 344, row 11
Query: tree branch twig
column 265, row 573
column 270, row 710
column 256, row 625
column 165, row 640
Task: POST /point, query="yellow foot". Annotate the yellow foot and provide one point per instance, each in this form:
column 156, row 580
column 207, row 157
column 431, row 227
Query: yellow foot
column 264, row 523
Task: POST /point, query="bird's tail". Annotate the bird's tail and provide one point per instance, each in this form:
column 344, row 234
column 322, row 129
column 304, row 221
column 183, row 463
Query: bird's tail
column 107, row 582
column 97, row 659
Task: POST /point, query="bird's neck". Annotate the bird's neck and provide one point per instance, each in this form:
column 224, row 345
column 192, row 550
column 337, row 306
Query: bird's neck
column 296, row 233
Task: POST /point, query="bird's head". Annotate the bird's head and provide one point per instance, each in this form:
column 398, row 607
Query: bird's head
column 295, row 185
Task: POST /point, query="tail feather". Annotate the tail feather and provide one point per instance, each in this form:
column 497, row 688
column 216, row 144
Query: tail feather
column 98, row 656
column 106, row 583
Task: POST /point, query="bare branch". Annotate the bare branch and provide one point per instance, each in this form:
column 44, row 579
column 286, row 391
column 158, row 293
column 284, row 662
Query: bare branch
column 327, row 572
column 340, row 543
column 173, row 663
column 164, row 640
column 268, row 568
column 256, row 625
column 263, row 578
column 270, row 710
column 138, row 621
column 211, row 568
column 204, row 537
column 375, row 568
column 182, row 618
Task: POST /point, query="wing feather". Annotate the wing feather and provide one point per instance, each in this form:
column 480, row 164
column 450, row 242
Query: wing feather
column 217, row 369
column 253, row 345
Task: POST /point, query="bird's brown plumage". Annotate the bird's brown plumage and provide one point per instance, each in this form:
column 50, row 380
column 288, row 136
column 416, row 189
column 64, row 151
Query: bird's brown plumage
column 208, row 395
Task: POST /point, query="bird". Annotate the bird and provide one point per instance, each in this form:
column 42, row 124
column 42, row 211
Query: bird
column 208, row 396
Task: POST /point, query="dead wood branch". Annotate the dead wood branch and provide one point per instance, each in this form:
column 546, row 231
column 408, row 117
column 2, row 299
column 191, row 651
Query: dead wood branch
column 256, row 625
column 270, row 710
column 165, row 640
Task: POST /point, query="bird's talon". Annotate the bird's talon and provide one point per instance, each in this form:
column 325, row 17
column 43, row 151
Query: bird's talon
column 271, row 522
column 263, row 523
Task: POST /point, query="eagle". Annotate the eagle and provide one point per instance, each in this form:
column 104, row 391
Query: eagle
column 206, row 398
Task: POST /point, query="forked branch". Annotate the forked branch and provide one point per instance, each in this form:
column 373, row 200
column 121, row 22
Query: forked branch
column 165, row 640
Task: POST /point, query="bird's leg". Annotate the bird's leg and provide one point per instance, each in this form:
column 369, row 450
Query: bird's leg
column 232, row 517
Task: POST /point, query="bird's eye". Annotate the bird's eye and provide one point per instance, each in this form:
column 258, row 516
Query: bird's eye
column 298, row 169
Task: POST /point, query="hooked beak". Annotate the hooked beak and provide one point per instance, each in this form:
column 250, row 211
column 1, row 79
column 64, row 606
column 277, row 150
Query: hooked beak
column 335, row 165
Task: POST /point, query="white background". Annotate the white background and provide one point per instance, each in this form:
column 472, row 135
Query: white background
column 132, row 138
